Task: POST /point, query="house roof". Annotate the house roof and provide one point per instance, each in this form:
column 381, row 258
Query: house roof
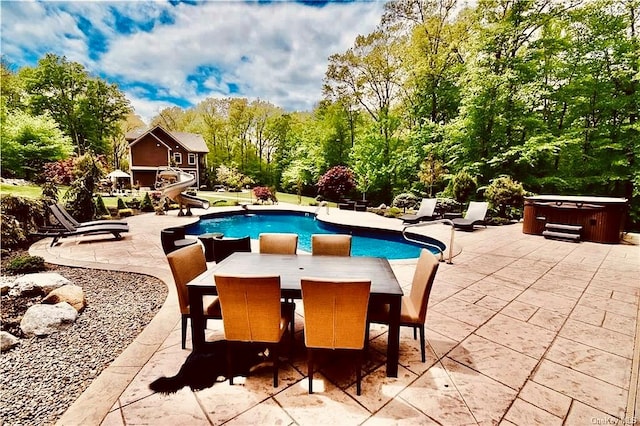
column 192, row 142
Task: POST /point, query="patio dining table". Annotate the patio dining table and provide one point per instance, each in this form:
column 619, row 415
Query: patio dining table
column 291, row 268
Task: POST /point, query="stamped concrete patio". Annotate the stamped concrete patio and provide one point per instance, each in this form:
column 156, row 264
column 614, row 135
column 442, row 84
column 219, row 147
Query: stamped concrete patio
column 521, row 330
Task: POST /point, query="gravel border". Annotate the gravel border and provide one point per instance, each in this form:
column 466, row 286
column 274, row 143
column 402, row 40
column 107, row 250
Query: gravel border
column 41, row 377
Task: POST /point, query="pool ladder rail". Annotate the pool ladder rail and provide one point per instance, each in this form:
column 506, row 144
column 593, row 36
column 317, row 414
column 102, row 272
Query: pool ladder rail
column 438, row 248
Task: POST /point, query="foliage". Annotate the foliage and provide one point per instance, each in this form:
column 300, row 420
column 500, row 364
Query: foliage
column 432, row 170
column 121, row 204
column 232, row 178
column 336, row 182
column 146, row 205
column 87, row 109
column 79, row 198
column 404, row 201
column 26, row 264
column 504, row 194
column 12, row 233
column 263, row 193
column 28, row 212
column 125, row 212
column 29, row 142
column 50, row 191
column 101, row 209
column 60, row 172
column 463, row 185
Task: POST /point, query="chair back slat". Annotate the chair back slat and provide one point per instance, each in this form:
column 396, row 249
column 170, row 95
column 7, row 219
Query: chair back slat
column 335, row 312
column 66, row 214
column 250, row 306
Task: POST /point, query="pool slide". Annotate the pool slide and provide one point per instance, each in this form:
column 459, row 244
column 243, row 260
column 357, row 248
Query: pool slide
column 175, row 191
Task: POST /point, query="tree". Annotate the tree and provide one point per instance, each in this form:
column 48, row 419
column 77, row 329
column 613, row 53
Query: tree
column 29, row 142
column 86, row 109
column 336, row 182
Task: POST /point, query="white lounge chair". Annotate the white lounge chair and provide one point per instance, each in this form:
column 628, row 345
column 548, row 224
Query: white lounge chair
column 425, row 212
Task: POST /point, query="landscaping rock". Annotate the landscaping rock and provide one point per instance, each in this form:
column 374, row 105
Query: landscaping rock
column 5, row 284
column 41, row 283
column 70, row 293
column 42, row 320
column 7, row 341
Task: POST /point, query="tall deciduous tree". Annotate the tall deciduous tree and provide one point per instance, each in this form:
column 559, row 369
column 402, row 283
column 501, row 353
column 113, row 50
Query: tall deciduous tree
column 87, row 109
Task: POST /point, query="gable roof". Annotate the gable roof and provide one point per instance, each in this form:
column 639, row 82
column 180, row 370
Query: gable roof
column 192, row 142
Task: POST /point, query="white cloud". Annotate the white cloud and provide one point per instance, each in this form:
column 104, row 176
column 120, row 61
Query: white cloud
column 276, row 52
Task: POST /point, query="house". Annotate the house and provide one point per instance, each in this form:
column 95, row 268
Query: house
column 158, row 148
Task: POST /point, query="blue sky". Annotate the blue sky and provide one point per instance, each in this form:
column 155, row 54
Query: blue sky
column 172, row 53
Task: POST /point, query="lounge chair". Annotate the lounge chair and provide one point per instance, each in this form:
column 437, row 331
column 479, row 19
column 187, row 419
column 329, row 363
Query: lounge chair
column 69, row 231
column 475, row 216
column 425, row 212
column 58, row 211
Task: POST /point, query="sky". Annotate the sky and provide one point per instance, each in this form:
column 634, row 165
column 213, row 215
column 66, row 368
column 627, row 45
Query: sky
column 169, row 53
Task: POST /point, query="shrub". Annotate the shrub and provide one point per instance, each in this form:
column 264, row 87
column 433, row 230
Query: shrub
column 125, row 212
column 101, row 209
column 12, row 234
column 26, row 264
column 463, row 185
column 134, row 203
column 121, row 204
column 404, row 201
column 262, row 193
column 336, row 182
column 506, row 196
column 146, row 205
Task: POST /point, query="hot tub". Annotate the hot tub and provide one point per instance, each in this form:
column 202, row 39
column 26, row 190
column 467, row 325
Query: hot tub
column 602, row 218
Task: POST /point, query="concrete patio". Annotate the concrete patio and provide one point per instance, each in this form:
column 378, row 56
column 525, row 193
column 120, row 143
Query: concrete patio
column 521, row 330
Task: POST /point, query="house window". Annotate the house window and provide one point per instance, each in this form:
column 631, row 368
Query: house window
column 192, row 158
column 177, row 157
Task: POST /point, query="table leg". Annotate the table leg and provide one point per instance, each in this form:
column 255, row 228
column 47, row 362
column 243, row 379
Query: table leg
column 197, row 318
column 393, row 343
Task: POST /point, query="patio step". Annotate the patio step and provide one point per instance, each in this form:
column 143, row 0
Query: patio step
column 562, row 231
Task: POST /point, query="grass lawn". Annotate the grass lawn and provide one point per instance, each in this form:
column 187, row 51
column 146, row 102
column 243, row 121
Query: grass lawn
column 219, row 198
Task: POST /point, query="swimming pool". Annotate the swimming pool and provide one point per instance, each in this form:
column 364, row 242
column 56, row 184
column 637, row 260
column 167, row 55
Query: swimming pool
column 378, row 243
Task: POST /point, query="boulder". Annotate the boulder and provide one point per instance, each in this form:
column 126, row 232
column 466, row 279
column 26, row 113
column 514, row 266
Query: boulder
column 70, row 293
column 7, row 341
column 34, row 284
column 42, row 320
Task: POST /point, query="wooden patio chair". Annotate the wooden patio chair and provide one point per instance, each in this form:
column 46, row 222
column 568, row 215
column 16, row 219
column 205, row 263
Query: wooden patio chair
column 335, row 317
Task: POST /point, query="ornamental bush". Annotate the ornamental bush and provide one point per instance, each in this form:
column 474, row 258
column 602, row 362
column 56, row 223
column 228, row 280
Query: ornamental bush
column 146, row 205
column 506, row 196
column 463, row 185
column 26, row 264
column 336, row 182
column 262, row 193
column 404, row 201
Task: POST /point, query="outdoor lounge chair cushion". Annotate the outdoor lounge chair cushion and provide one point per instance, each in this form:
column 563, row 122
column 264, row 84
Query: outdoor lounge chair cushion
column 425, row 212
column 475, row 216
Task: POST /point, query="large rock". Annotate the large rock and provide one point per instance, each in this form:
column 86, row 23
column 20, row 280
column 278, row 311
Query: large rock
column 72, row 294
column 42, row 320
column 35, row 284
column 7, row 341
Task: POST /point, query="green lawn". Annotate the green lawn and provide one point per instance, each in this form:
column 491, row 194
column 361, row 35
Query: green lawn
column 219, row 198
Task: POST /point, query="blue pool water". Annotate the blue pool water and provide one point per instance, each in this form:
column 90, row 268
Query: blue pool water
column 364, row 243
